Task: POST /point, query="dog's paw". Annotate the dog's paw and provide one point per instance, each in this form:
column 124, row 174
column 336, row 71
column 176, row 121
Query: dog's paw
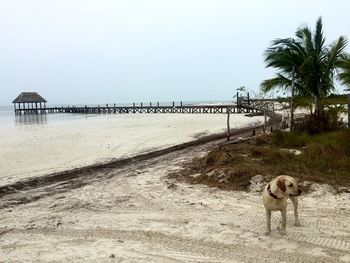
column 297, row 223
column 282, row 232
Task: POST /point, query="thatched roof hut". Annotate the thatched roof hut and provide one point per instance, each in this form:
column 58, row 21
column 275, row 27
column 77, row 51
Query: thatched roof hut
column 29, row 97
column 29, row 101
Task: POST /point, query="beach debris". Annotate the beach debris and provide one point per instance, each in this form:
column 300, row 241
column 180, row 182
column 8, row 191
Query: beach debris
column 257, row 183
column 292, row 151
column 317, row 190
column 172, row 186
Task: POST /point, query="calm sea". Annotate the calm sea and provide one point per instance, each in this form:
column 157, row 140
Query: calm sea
column 9, row 119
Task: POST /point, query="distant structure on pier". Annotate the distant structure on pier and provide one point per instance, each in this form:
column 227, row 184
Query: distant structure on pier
column 31, row 102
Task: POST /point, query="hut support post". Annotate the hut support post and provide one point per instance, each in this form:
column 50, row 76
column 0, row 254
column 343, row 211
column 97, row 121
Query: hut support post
column 228, row 123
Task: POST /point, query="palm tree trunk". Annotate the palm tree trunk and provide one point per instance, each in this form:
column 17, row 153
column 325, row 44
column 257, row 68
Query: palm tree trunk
column 317, row 98
column 349, row 111
column 292, row 102
column 317, row 106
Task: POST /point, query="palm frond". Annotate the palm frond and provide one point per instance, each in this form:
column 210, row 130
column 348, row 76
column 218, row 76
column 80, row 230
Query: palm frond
column 344, row 68
column 319, row 39
column 335, row 51
column 305, row 35
column 280, row 82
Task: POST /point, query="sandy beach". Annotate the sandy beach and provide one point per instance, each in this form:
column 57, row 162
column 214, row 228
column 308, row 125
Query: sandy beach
column 34, row 150
column 136, row 213
column 174, row 132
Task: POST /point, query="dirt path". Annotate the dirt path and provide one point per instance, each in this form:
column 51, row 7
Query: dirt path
column 137, row 214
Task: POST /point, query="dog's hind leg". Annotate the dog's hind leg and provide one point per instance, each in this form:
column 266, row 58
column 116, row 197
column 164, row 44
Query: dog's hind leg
column 295, row 204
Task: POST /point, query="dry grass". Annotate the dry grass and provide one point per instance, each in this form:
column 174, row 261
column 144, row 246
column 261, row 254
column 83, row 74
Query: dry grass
column 324, row 158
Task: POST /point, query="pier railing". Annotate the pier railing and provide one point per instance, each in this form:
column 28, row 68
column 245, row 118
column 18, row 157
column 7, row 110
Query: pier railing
column 191, row 109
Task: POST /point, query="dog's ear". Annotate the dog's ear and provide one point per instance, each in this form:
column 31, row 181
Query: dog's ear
column 281, row 185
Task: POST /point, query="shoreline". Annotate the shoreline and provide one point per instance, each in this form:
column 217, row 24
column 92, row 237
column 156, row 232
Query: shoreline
column 37, row 150
column 70, row 174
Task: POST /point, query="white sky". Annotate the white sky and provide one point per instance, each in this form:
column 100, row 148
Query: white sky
column 103, row 51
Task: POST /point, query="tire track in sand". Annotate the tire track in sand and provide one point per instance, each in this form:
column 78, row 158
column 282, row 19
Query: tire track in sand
column 156, row 240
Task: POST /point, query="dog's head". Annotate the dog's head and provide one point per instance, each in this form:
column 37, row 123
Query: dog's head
column 288, row 185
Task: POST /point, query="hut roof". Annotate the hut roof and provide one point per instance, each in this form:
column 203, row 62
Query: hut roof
column 29, row 97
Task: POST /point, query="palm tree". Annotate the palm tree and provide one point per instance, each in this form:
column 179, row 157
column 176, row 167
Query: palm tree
column 314, row 63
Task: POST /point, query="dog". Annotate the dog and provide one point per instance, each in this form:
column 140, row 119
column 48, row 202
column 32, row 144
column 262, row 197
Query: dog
column 275, row 197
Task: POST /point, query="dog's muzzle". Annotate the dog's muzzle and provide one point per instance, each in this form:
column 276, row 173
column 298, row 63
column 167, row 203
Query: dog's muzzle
column 299, row 193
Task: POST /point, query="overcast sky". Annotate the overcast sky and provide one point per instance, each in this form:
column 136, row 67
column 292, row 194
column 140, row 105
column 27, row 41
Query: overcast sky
column 103, row 51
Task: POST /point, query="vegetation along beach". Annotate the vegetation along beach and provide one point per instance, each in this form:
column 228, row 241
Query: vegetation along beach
column 148, row 131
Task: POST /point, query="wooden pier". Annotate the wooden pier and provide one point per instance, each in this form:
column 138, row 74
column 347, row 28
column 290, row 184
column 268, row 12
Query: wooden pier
column 114, row 109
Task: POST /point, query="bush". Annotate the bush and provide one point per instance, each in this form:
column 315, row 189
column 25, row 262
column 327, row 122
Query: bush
column 290, row 139
column 324, row 121
column 260, row 139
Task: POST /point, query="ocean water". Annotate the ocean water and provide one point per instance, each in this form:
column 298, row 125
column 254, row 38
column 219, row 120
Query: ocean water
column 10, row 120
column 6, row 116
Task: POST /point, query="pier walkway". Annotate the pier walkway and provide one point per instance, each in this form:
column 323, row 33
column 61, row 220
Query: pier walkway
column 192, row 109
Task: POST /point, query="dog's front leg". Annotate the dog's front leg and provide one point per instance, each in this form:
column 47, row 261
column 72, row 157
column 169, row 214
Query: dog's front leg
column 295, row 204
column 268, row 222
column 284, row 222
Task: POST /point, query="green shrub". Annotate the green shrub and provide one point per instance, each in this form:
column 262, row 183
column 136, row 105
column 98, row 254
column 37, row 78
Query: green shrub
column 260, row 139
column 324, row 121
column 290, row 139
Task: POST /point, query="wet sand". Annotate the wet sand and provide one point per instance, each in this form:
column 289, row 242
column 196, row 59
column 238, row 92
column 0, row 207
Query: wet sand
column 35, row 150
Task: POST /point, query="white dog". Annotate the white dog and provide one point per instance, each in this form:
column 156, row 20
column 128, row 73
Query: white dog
column 275, row 196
